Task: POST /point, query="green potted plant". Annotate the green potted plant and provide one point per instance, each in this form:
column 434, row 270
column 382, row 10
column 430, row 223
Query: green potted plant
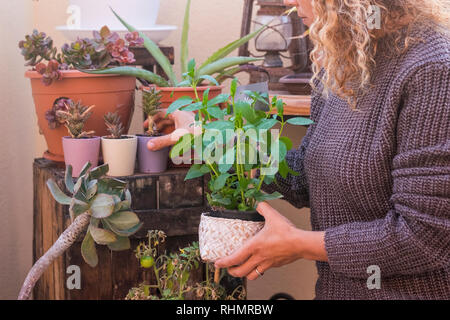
column 118, row 150
column 151, row 161
column 216, row 68
column 172, row 274
column 54, row 76
column 99, row 206
column 230, row 144
column 80, row 146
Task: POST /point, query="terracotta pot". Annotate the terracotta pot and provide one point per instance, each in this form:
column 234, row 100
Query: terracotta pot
column 109, row 93
column 120, row 155
column 223, row 232
column 151, row 161
column 78, row 152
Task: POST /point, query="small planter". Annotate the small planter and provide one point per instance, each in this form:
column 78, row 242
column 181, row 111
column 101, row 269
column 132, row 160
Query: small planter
column 151, row 161
column 77, row 152
column 120, row 155
column 108, row 94
column 223, row 232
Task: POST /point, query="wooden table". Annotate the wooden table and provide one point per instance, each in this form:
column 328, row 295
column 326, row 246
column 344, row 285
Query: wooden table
column 162, row 202
column 295, row 105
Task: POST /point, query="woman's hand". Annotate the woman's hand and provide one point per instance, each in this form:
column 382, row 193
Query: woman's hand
column 181, row 120
column 277, row 244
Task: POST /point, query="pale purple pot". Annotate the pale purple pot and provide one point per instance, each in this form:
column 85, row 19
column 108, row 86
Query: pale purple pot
column 151, row 161
column 77, row 152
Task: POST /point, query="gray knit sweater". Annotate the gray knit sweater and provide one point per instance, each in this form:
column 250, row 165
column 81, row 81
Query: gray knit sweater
column 377, row 180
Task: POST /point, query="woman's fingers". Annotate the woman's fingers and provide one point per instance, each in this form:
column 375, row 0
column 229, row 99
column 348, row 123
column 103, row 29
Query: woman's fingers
column 262, row 267
column 246, row 268
column 159, row 143
column 237, row 258
column 161, row 125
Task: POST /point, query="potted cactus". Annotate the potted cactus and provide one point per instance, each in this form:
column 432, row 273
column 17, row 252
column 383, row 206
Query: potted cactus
column 151, row 161
column 213, row 71
column 119, row 151
column 100, row 207
column 54, row 75
column 80, row 147
column 230, row 145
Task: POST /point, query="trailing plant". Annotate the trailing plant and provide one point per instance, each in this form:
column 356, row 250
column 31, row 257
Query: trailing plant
column 114, row 125
column 217, row 65
column 151, row 103
column 99, row 206
column 231, row 143
column 172, row 273
column 75, row 118
column 104, row 49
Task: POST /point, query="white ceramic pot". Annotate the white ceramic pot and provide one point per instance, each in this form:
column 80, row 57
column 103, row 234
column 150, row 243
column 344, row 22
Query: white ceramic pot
column 120, row 155
column 222, row 233
column 96, row 13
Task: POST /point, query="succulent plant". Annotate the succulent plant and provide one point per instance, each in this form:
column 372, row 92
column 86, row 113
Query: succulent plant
column 151, row 104
column 60, row 105
column 105, row 48
column 38, row 47
column 114, row 125
column 98, row 205
column 75, row 118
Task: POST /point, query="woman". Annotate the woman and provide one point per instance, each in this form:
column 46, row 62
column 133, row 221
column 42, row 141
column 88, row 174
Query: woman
column 375, row 166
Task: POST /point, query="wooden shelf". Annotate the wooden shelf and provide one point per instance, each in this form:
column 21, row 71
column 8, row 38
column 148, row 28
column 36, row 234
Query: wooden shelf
column 296, row 105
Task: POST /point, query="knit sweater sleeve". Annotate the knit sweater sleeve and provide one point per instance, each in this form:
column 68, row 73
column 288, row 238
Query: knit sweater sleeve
column 414, row 236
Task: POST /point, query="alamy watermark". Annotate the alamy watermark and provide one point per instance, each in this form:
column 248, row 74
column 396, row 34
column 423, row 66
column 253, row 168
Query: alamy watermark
column 74, row 280
column 374, row 280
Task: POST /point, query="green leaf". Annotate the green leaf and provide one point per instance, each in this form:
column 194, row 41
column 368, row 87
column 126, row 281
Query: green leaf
column 102, row 206
column 216, row 112
column 85, row 169
column 77, row 207
column 221, row 98
column 183, row 146
column 265, row 197
column 282, row 151
column 102, row 236
column 206, row 97
column 220, row 125
column 221, row 180
column 181, row 102
column 132, row 72
column 99, row 172
column 68, row 179
column 185, row 38
column 91, row 189
column 233, row 88
column 224, row 63
column 123, row 233
column 287, row 142
column 194, row 172
column 57, row 194
column 267, row 124
column 88, row 251
column 283, row 169
column 122, row 206
column 121, row 244
column 210, row 79
column 247, row 111
column 229, row 48
column 300, row 121
column 193, row 107
column 154, row 50
column 123, row 220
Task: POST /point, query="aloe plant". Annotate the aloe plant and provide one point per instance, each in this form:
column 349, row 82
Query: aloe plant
column 98, row 205
column 216, row 65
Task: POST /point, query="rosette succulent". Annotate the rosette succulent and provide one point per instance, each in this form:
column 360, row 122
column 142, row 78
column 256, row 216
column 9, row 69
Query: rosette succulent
column 75, row 118
column 60, row 105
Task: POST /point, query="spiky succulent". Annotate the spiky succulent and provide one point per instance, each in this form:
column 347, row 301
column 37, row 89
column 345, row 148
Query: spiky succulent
column 151, row 105
column 75, row 118
column 114, row 125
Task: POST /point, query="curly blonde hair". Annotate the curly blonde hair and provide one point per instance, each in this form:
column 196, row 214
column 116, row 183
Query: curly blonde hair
column 345, row 46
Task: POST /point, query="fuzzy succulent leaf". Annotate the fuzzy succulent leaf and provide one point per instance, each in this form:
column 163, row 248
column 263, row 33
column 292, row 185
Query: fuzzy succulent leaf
column 123, row 220
column 114, row 125
column 102, row 236
column 102, row 206
column 88, row 251
column 57, row 194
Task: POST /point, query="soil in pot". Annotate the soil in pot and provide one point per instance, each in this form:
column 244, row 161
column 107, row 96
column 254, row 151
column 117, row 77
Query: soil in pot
column 109, row 93
column 120, row 155
column 151, row 161
column 223, row 232
column 77, row 152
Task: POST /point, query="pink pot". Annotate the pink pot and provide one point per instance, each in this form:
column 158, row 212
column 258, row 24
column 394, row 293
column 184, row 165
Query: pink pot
column 78, row 152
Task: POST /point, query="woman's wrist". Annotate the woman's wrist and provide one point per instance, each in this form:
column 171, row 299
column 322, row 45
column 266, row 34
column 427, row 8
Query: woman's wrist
column 311, row 245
